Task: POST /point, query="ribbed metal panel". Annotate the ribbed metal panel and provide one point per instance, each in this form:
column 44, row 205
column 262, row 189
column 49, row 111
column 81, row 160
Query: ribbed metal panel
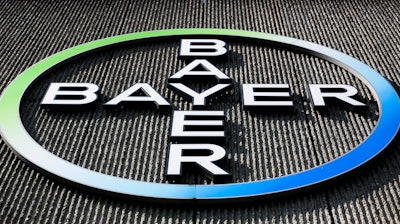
column 133, row 143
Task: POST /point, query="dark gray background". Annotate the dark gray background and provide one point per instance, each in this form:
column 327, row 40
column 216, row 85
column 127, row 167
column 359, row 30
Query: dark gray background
column 367, row 30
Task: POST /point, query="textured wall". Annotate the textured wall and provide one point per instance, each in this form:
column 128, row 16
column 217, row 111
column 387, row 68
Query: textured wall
column 108, row 142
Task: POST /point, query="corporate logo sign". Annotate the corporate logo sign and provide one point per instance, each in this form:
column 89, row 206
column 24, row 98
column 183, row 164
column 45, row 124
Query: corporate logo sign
column 197, row 136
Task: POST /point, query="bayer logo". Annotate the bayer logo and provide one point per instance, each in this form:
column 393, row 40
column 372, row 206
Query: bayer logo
column 198, row 114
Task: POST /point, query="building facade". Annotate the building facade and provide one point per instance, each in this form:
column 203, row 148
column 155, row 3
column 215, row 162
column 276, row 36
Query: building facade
column 134, row 142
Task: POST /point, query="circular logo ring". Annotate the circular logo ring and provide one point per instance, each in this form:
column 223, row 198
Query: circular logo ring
column 15, row 135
